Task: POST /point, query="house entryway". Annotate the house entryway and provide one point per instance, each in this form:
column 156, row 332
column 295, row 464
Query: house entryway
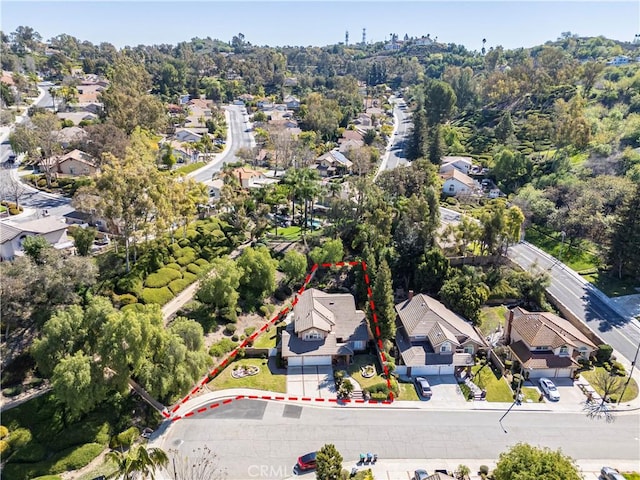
column 311, row 382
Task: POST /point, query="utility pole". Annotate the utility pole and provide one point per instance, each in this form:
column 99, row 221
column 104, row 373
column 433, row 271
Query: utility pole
column 346, row 38
column 364, row 36
column 633, row 366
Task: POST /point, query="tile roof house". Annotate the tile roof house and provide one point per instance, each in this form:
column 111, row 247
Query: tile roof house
column 545, row 344
column 462, row 164
column 187, row 135
column 457, row 183
column 12, row 234
column 291, row 102
column 70, row 135
column 433, row 340
column 333, row 163
column 250, row 178
column 326, row 328
column 75, row 162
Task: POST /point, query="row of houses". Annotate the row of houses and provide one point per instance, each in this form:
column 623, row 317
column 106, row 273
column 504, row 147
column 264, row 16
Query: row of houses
column 328, row 329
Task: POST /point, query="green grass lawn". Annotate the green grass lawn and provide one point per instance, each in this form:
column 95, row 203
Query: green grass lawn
column 288, row 233
column 611, row 285
column 580, row 257
column 188, row 168
column 496, row 386
column 354, row 370
column 265, row 380
column 267, row 339
column 531, row 395
column 630, row 393
column 491, row 317
column 407, row 392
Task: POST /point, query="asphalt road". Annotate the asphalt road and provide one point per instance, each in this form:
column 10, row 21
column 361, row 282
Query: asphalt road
column 622, row 334
column 397, row 156
column 250, row 436
column 240, row 137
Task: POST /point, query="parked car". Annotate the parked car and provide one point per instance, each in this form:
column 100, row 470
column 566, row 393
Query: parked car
column 608, row 473
column 549, row 389
column 420, row 474
column 423, row 387
column 307, row 462
column 146, row 433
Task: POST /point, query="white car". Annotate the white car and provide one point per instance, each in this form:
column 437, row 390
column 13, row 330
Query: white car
column 549, row 389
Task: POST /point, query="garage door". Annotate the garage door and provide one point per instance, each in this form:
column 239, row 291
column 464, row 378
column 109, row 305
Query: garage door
column 432, row 370
column 294, row 362
column 545, row 372
column 316, row 360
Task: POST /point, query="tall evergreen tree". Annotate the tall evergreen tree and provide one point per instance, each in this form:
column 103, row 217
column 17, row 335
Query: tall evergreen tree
column 418, row 139
column 383, row 299
column 624, row 250
column 329, row 463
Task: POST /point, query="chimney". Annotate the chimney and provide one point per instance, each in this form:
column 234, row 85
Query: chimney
column 410, row 295
column 507, row 335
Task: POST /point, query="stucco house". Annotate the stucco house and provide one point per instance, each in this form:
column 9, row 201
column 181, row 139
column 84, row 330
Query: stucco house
column 74, row 163
column 433, row 340
column 326, row 328
column 333, row 163
column 13, row 234
column 291, row 102
column 462, row 164
column 457, row 183
column 187, row 135
column 545, row 344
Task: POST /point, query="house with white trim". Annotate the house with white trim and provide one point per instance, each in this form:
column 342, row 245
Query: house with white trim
column 13, row 234
column 325, row 329
column 458, row 183
column 462, row 164
column 433, row 340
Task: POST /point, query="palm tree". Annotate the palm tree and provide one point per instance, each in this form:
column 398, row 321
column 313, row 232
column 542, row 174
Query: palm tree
column 138, row 461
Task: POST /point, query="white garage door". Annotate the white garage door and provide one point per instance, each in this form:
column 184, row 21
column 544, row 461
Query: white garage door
column 316, row 360
column 294, row 362
column 432, row 370
column 551, row 373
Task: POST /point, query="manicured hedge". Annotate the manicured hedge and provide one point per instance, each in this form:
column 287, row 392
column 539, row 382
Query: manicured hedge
column 138, row 307
column 222, row 347
column 77, row 457
column 178, row 285
column 4, row 449
column 194, row 268
column 125, row 439
column 125, row 299
column 156, row 295
column 175, row 266
column 201, row 262
column 189, row 276
column 188, row 256
column 162, row 278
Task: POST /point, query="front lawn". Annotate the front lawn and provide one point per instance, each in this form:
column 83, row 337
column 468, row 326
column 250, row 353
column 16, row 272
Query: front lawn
column 494, row 384
column 407, row 391
column 580, row 257
column 360, row 361
column 532, row 395
column 291, row 234
column 630, row 393
column 491, row 317
column 265, row 380
column 107, row 468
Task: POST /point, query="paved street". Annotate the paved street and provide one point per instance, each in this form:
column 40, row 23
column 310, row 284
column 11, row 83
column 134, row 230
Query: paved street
column 278, row 433
column 238, row 138
column 397, row 156
column 622, row 334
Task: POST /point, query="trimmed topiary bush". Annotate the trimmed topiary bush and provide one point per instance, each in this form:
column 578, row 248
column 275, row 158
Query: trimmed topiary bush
column 222, row 347
column 179, row 285
column 175, row 266
column 194, row 268
column 130, row 284
column 230, row 329
column 162, row 278
column 77, row 457
column 156, row 295
column 188, row 255
column 4, row 431
column 201, row 262
column 125, row 439
column 138, row 307
column 125, row 299
column 189, row 276
column 5, row 448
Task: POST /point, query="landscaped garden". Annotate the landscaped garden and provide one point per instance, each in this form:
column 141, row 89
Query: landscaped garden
column 491, row 318
column 630, row 393
column 355, row 370
column 264, row 380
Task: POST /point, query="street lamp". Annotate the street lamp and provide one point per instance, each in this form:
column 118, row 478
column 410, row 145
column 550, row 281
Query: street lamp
column 563, row 235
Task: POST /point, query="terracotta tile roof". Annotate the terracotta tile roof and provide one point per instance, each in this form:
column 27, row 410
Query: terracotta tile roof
column 540, row 329
column 541, row 360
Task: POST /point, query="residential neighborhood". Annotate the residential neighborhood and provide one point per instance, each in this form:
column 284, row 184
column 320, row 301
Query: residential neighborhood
column 388, row 256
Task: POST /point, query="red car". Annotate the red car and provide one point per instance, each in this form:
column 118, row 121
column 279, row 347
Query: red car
column 307, row 462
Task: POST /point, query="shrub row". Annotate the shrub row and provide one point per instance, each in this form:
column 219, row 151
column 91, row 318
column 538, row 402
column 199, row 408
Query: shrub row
column 162, row 278
column 156, row 295
column 222, row 347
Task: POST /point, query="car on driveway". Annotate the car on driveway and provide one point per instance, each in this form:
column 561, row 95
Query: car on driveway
column 549, row 389
column 307, row 462
column 608, row 473
column 423, row 388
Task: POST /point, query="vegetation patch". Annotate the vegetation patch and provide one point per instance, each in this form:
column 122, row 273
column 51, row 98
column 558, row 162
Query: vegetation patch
column 493, row 382
column 162, row 278
column 156, row 295
column 630, row 393
column 264, row 380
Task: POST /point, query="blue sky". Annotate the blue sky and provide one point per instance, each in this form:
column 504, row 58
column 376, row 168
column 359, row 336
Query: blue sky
column 510, row 23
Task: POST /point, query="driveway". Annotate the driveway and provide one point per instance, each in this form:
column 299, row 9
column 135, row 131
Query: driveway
column 570, row 393
column 445, row 391
column 311, row 382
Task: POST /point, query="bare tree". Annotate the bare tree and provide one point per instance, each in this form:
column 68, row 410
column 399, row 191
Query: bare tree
column 609, row 385
column 202, row 463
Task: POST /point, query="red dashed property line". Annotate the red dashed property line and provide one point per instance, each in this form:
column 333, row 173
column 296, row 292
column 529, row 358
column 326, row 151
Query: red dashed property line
column 264, row 327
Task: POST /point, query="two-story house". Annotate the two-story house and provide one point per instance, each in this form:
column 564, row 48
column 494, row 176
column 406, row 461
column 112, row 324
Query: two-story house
column 458, row 183
column 545, row 344
column 333, row 163
column 326, row 329
column 433, row 340
column 462, row 164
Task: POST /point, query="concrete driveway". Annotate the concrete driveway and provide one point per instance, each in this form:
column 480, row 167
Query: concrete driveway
column 445, row 390
column 570, row 393
column 311, row 381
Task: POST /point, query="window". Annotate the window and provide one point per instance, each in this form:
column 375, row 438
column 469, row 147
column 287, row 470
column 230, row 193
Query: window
column 312, row 335
column 445, row 347
column 583, row 351
column 564, row 351
column 542, row 348
column 468, row 349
